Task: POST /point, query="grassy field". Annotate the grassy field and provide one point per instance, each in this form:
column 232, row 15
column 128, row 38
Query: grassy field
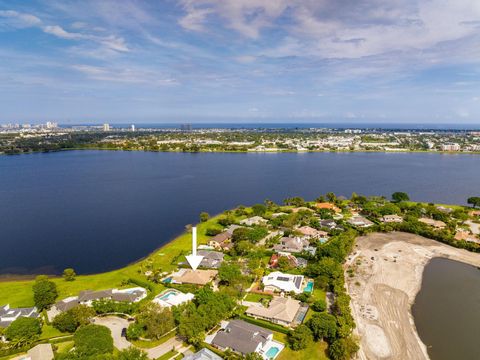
column 316, row 350
column 19, row 293
column 257, row 297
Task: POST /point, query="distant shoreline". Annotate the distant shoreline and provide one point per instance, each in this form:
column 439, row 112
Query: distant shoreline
column 251, row 152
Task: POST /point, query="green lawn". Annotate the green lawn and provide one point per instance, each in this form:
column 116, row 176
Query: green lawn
column 19, row 293
column 317, row 351
column 49, row 332
column 167, row 355
column 150, row 344
column 257, row 297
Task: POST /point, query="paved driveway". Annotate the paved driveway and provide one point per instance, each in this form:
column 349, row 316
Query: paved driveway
column 164, row 348
column 115, row 324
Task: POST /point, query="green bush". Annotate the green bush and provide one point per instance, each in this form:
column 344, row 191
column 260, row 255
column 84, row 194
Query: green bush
column 23, row 329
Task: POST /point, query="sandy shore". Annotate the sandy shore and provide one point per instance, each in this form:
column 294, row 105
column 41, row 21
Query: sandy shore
column 388, row 272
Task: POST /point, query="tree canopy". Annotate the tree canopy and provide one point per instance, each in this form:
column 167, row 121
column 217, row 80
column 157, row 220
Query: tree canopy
column 93, row 340
column 400, row 196
column 44, row 292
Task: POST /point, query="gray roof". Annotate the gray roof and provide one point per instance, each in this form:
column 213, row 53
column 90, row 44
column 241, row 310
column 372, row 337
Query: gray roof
column 66, row 305
column 211, row 259
column 241, row 337
column 203, row 354
column 16, row 313
column 88, row 295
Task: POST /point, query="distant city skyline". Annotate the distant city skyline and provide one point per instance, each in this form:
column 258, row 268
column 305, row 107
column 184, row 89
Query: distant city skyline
column 245, row 61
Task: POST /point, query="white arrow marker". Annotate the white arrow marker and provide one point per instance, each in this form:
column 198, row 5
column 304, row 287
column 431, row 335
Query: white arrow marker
column 194, row 260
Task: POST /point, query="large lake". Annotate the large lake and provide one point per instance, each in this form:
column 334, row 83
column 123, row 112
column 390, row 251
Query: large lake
column 99, row 210
column 447, row 310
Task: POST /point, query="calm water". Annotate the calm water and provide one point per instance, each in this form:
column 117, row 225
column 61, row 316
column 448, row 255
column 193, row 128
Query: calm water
column 447, row 310
column 99, row 210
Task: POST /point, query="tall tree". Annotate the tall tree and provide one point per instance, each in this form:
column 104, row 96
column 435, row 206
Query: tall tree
column 400, row 196
column 44, row 292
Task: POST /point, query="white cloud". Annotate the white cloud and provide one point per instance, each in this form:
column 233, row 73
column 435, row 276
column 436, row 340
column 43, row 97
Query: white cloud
column 125, row 75
column 22, row 20
column 19, row 20
column 58, row 31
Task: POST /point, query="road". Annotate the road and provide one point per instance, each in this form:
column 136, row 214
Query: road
column 116, row 324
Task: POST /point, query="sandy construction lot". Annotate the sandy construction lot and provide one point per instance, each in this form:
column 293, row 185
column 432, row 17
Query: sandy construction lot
column 387, row 274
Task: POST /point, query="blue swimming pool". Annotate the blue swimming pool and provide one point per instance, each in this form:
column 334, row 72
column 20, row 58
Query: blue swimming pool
column 309, row 287
column 167, row 280
column 272, row 352
column 168, row 295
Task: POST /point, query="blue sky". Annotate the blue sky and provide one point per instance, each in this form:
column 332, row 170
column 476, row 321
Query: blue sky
column 411, row 61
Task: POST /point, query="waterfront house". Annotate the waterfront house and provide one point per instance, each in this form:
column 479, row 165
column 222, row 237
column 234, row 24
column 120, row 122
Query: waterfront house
column 328, row 206
column 359, row 221
column 254, row 220
column 203, row 354
column 221, row 241
column 437, row 224
column 281, row 310
column 197, row 277
column 391, row 219
column 278, row 282
column 211, row 259
column 242, row 337
column 232, row 228
column 87, row 297
column 9, row 315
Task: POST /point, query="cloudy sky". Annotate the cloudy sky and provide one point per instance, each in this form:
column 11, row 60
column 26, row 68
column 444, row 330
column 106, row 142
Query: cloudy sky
column 411, row 61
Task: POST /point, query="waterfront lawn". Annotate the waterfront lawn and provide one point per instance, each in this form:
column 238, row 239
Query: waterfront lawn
column 19, row 293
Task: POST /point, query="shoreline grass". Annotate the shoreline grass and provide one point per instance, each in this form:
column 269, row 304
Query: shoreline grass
column 18, row 293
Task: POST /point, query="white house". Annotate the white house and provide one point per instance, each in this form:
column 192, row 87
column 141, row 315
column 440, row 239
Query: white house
column 278, row 281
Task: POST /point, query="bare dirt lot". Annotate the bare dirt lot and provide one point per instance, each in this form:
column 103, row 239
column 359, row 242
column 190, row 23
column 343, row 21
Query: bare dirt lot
column 387, row 274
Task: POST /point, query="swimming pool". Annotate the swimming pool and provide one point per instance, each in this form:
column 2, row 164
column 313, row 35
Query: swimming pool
column 167, row 280
column 168, row 295
column 309, row 287
column 272, row 352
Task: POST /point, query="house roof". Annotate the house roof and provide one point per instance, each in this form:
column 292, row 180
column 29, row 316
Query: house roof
column 222, row 237
column 309, row 231
column 328, row 206
column 284, row 282
column 295, row 244
column 67, row 304
column 432, row 222
column 197, row 277
column 241, row 336
column 89, row 295
column 41, row 352
column 211, row 259
column 280, row 308
column 203, row 354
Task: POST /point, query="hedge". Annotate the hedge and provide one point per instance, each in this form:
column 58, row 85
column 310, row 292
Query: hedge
column 265, row 324
column 141, row 283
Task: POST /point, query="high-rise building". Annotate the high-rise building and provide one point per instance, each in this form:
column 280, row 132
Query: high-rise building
column 186, row 127
column 133, row 127
column 106, row 127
